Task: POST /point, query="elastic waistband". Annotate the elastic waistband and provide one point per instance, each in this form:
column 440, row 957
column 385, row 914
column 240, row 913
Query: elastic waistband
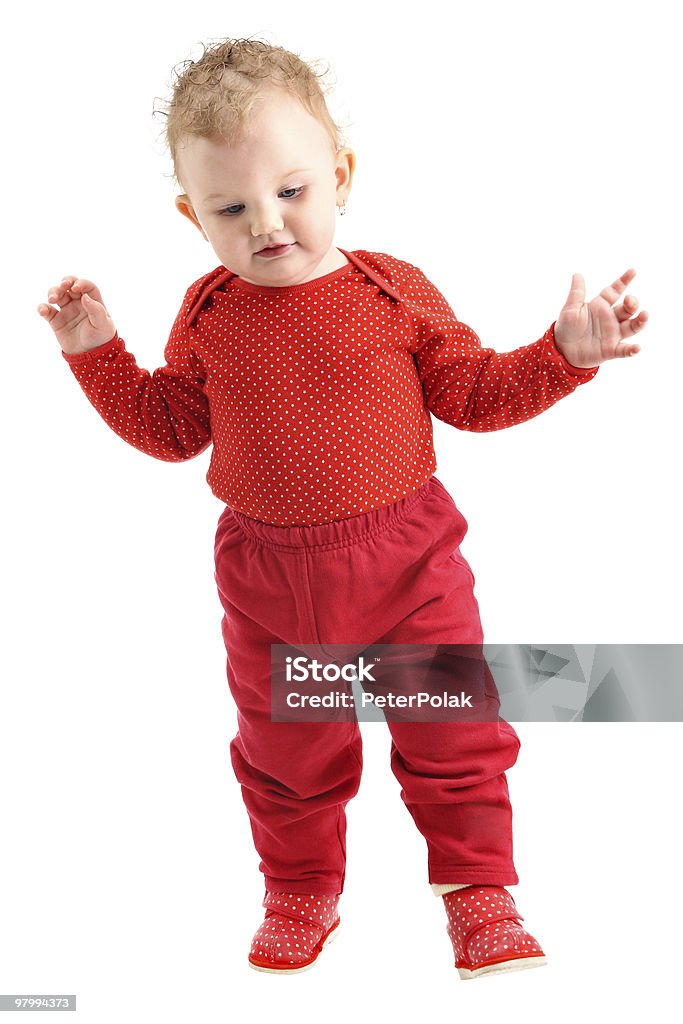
column 339, row 533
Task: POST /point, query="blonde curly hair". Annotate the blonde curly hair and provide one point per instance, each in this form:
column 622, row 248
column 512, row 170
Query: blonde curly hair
column 213, row 97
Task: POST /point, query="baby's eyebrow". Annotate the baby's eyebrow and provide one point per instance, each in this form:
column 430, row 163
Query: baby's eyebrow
column 221, row 195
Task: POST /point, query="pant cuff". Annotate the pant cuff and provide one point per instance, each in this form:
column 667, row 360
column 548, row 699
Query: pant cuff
column 302, row 888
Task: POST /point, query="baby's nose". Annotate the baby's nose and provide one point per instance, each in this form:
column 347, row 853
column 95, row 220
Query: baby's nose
column 266, row 222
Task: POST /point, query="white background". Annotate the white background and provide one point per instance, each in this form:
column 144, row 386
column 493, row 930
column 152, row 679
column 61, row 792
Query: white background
column 500, row 147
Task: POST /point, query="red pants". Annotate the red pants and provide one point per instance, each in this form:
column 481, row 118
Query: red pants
column 393, row 575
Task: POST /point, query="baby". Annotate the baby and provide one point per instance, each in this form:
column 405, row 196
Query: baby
column 313, row 372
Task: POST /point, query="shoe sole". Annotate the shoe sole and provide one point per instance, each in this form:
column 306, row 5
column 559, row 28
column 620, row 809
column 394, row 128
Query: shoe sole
column 521, row 964
column 330, row 937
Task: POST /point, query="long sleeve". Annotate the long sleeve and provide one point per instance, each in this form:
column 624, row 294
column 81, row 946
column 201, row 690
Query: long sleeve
column 164, row 413
column 476, row 388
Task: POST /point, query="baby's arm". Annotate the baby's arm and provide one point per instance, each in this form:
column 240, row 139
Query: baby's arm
column 476, row 388
column 165, row 413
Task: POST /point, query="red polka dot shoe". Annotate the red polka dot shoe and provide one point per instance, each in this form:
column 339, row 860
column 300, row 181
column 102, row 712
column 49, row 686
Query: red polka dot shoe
column 293, row 932
column 483, row 925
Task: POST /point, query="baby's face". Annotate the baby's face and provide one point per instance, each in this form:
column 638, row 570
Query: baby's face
column 281, row 184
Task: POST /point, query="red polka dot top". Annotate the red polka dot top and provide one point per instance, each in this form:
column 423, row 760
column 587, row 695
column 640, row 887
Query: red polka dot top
column 317, row 396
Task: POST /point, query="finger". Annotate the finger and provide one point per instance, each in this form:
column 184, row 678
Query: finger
column 627, row 308
column 95, row 311
column 64, row 285
column 625, row 349
column 81, row 285
column 630, row 327
column 59, row 294
column 70, row 288
column 47, row 312
column 577, row 293
column 612, row 292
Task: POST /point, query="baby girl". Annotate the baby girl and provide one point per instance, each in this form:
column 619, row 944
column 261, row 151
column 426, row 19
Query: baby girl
column 313, row 372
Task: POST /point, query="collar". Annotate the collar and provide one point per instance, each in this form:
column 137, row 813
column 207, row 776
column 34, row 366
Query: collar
column 217, row 278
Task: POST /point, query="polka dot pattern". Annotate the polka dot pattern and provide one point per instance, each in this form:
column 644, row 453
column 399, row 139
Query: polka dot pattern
column 317, row 396
column 484, row 927
column 293, row 931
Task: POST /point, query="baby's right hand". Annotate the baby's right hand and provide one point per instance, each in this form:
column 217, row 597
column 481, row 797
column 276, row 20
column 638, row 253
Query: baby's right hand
column 82, row 321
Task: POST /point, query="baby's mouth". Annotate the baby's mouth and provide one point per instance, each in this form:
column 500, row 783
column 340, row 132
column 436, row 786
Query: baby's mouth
column 275, row 250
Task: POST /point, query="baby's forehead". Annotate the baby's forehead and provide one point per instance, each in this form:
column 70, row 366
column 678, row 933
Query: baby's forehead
column 259, row 155
column 267, row 148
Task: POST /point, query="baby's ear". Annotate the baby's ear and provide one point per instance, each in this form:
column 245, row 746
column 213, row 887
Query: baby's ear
column 184, row 205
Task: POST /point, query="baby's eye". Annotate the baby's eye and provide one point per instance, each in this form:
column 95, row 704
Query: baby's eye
column 294, row 190
column 237, row 207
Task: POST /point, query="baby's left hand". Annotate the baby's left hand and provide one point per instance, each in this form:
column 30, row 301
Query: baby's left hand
column 590, row 333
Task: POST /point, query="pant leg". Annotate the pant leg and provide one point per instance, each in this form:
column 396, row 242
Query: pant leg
column 296, row 777
column 452, row 774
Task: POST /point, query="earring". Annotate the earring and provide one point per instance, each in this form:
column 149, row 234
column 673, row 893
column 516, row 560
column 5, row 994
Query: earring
column 342, row 209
